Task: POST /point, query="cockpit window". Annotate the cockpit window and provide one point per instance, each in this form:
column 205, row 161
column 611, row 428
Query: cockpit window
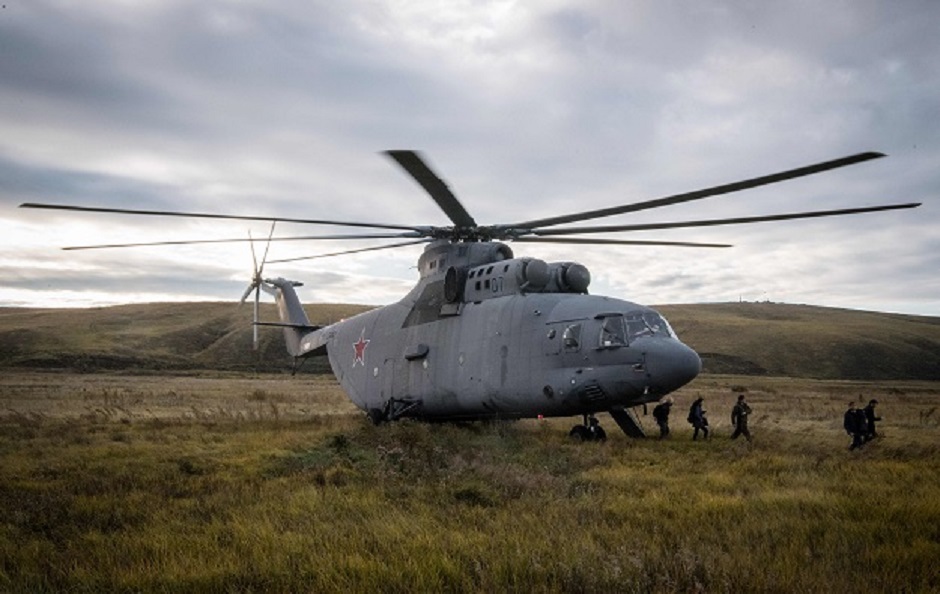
column 648, row 323
column 572, row 337
column 613, row 332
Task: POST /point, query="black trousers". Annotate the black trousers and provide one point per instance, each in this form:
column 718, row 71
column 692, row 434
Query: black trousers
column 704, row 429
column 741, row 429
column 858, row 439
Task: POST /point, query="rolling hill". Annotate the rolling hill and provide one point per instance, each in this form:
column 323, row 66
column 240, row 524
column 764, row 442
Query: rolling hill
column 740, row 338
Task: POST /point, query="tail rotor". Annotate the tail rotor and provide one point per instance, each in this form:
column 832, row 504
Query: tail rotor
column 257, row 280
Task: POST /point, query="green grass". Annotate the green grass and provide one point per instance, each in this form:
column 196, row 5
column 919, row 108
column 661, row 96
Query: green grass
column 243, row 484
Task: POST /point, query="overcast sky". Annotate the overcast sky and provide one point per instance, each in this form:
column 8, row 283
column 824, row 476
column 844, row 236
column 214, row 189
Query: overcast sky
column 527, row 109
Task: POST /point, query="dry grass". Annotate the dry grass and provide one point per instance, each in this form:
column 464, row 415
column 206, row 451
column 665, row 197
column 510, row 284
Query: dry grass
column 110, row 397
column 247, row 484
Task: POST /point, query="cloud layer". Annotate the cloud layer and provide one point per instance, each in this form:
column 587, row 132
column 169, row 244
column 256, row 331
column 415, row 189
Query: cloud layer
column 526, row 109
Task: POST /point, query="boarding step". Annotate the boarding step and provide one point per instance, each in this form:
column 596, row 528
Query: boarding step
column 628, row 421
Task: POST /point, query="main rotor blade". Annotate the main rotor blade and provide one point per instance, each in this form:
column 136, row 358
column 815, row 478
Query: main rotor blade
column 601, row 241
column 700, row 194
column 242, row 240
column 411, row 162
column 714, row 222
column 368, row 249
column 203, row 215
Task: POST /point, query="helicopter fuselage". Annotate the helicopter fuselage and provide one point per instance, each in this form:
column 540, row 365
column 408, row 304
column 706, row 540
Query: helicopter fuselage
column 484, row 335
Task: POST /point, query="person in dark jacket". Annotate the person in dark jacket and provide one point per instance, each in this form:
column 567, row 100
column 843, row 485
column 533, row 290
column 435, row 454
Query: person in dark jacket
column 870, row 418
column 855, row 425
column 698, row 419
column 739, row 418
column 661, row 414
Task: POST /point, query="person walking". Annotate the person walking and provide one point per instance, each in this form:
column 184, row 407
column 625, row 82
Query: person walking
column 698, row 419
column 855, row 425
column 739, row 416
column 661, row 414
column 870, row 418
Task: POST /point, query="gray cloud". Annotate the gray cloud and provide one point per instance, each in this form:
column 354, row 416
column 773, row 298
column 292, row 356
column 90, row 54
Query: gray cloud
column 21, row 182
column 525, row 110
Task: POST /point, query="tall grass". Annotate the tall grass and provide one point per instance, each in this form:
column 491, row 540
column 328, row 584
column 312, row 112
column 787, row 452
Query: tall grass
column 315, row 499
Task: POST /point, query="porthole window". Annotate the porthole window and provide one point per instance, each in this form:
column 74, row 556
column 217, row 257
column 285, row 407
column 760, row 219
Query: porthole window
column 572, row 337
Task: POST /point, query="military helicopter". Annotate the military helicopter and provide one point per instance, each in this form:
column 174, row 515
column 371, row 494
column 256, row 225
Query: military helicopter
column 488, row 335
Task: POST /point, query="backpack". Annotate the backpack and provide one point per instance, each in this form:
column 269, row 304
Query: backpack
column 659, row 413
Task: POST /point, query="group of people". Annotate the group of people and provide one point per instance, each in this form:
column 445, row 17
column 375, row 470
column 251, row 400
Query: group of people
column 699, row 421
column 860, row 423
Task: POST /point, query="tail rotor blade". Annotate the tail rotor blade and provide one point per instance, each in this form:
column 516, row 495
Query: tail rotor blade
column 254, row 326
column 256, row 280
column 254, row 258
column 255, row 273
column 267, row 247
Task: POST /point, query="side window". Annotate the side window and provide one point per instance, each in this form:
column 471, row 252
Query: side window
column 572, row 338
column 612, row 332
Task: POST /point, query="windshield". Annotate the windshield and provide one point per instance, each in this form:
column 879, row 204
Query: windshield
column 647, row 323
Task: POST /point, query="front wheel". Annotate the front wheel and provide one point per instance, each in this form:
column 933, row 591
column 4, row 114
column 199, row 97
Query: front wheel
column 579, row 433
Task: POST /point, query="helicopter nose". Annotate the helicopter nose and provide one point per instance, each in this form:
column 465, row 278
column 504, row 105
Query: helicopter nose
column 672, row 365
column 686, row 365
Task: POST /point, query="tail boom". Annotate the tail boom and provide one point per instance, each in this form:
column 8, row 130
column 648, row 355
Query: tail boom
column 302, row 338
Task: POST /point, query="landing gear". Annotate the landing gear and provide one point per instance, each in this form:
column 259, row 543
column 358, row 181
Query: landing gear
column 376, row 415
column 394, row 409
column 591, row 430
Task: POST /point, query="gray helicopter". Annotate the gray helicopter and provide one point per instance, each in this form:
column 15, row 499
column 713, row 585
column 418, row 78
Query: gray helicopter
column 488, row 335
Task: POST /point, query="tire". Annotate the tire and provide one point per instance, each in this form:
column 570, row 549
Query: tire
column 579, row 433
column 376, row 415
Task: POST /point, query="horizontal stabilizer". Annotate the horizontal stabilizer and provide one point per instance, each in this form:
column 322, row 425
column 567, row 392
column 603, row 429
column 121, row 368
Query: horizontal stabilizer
column 304, row 327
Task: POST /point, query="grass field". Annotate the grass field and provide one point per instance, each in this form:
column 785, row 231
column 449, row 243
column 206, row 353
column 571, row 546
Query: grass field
column 235, row 483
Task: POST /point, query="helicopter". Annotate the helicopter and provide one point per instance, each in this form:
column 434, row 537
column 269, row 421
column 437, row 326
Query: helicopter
column 485, row 334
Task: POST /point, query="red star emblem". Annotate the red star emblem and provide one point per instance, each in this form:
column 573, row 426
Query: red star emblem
column 360, row 348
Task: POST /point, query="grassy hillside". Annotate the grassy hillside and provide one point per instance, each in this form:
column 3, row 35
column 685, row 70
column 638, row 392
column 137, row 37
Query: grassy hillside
column 155, row 336
column 740, row 338
column 808, row 341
